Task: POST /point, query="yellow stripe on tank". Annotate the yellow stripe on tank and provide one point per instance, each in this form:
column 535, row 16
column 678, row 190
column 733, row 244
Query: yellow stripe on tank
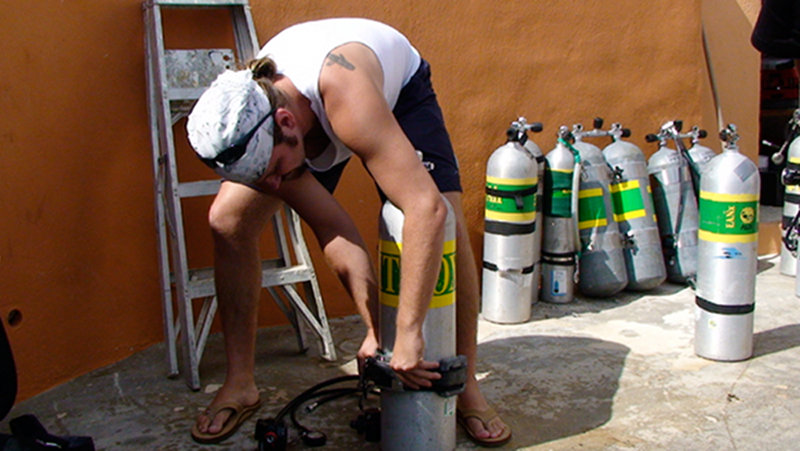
column 444, row 293
column 505, row 181
column 721, row 197
column 726, row 238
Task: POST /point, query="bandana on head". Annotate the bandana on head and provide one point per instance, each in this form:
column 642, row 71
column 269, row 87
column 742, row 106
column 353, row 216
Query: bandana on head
column 227, row 110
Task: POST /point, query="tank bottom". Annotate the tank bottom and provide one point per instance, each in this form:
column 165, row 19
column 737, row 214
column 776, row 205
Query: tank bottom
column 417, row 420
column 645, row 284
column 723, row 337
column 506, row 297
column 558, row 285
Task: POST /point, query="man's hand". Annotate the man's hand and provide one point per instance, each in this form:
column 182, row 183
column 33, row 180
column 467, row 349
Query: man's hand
column 369, row 348
column 407, row 361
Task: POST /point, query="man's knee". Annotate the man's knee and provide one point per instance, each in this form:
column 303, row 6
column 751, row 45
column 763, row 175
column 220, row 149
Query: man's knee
column 238, row 216
column 224, row 223
column 231, row 225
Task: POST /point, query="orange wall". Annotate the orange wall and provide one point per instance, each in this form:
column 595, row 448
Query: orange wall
column 78, row 251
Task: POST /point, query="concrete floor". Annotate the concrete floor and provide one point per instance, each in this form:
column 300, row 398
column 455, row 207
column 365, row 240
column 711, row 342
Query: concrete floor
column 615, row 374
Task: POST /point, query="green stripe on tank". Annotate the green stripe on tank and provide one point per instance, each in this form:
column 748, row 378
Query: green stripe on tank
column 728, row 217
column 591, row 209
column 558, row 193
column 504, row 204
column 626, row 197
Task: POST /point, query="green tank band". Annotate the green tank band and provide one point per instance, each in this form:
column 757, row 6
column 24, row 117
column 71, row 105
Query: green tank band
column 728, row 218
column 591, row 209
column 511, row 200
column 626, row 198
column 558, row 189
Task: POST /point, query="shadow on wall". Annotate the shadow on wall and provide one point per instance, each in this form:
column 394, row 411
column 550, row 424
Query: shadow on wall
column 549, row 388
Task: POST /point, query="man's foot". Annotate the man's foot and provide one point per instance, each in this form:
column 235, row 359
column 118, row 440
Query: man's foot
column 484, row 419
column 224, row 415
column 479, row 420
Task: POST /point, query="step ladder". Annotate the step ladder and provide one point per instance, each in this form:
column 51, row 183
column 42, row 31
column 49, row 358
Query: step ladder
column 175, row 80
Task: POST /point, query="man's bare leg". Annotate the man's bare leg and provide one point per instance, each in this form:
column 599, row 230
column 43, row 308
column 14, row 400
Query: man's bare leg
column 467, row 304
column 237, row 218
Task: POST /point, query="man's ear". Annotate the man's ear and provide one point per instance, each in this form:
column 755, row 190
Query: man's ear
column 284, row 118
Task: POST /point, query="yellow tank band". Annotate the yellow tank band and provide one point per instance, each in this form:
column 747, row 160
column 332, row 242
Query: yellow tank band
column 726, row 238
column 721, row 197
column 505, row 181
column 445, row 291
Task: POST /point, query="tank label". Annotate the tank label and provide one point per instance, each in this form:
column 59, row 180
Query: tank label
column 591, row 209
column 559, row 279
column 728, row 218
column 626, row 197
column 558, row 193
column 444, row 293
column 511, row 200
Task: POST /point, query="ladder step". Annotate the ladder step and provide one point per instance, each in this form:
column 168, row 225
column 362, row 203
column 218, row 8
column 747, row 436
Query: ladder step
column 199, row 188
column 196, row 68
column 195, row 3
column 201, row 281
column 179, row 94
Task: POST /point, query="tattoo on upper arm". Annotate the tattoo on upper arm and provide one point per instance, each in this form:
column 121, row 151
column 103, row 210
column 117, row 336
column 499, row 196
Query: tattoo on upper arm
column 340, row 60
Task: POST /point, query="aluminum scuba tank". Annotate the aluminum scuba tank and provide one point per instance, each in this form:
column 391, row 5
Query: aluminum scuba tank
column 791, row 195
column 634, row 212
column 676, row 206
column 559, row 238
column 534, row 150
column 790, row 177
column 417, row 419
column 510, row 250
column 727, row 254
column 602, row 263
column 699, row 154
column 695, row 157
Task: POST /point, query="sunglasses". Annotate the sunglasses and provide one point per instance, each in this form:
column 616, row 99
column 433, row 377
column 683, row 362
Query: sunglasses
column 233, row 153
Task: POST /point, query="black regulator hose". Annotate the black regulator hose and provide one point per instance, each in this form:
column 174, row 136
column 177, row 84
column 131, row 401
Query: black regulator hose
column 271, row 433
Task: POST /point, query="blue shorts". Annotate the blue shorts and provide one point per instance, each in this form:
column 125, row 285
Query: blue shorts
column 418, row 113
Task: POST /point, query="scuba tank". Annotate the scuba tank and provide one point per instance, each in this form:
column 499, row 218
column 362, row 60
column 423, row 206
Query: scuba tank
column 699, row 154
column 790, row 177
column 534, row 150
column 602, row 262
column 559, row 238
column 727, row 254
column 634, row 212
column 417, row 419
column 791, row 194
column 675, row 204
column 510, row 250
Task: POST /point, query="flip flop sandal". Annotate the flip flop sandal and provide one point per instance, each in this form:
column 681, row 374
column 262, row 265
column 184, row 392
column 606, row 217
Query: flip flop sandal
column 239, row 414
column 485, row 417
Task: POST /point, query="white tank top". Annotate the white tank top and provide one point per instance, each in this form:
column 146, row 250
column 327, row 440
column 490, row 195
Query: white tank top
column 300, row 51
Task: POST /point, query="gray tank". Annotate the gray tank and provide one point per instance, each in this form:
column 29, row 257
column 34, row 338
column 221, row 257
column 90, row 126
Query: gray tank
column 727, row 254
column 791, row 202
column 634, row 212
column 534, row 150
column 417, row 419
column 559, row 240
column 676, row 210
column 602, row 271
column 510, row 250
